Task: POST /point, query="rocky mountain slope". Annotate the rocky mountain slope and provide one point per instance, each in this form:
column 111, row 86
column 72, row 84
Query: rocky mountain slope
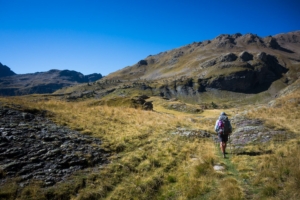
column 33, row 147
column 203, row 59
column 237, row 63
column 5, row 71
column 43, row 82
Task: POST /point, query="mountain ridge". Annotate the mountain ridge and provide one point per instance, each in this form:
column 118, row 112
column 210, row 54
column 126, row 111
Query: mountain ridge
column 237, row 63
column 5, row 71
column 223, row 43
column 43, row 82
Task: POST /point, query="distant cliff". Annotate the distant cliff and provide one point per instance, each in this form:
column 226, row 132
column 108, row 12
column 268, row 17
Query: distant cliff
column 5, row 71
column 42, row 82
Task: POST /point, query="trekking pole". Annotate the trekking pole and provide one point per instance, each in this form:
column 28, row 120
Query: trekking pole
column 230, row 144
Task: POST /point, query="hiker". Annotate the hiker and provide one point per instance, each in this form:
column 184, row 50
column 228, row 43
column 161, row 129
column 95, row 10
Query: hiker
column 223, row 128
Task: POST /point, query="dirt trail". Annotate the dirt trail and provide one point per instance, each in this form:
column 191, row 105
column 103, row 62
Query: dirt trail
column 231, row 170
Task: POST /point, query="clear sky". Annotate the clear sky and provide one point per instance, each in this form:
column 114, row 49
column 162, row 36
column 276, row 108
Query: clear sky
column 102, row 36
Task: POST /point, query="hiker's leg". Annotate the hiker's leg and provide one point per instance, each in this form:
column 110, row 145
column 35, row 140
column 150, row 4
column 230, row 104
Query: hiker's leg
column 221, row 146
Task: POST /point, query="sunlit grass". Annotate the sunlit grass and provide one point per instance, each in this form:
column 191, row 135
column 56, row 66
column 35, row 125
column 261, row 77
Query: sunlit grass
column 284, row 114
column 146, row 158
column 148, row 162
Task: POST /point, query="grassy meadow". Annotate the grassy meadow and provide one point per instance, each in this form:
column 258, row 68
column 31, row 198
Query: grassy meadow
column 149, row 162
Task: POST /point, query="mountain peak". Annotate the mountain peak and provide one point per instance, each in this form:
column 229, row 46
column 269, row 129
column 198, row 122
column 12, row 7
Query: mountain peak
column 5, row 71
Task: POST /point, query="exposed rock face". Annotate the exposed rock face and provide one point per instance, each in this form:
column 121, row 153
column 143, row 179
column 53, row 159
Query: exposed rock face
column 5, row 71
column 33, row 147
column 42, row 82
column 253, row 76
column 245, row 56
column 272, row 42
column 142, row 62
column 228, row 57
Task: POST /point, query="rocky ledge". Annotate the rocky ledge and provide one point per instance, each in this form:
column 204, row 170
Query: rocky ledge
column 32, row 147
column 253, row 131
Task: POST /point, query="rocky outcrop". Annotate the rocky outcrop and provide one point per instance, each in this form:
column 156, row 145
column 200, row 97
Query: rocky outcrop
column 228, row 57
column 253, row 131
column 5, row 71
column 245, row 56
column 142, row 62
column 140, row 102
column 253, row 73
column 34, row 148
column 43, row 82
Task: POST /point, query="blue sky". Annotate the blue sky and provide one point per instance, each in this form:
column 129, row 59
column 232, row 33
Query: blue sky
column 103, row 36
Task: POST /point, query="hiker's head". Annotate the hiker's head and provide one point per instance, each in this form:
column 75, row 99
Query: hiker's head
column 223, row 113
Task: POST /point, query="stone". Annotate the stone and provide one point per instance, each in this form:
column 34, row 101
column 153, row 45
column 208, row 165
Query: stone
column 219, row 168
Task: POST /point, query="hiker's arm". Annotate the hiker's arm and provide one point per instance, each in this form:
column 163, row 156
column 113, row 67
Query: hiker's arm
column 216, row 126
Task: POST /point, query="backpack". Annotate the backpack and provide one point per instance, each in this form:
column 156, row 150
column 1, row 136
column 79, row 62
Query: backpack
column 224, row 126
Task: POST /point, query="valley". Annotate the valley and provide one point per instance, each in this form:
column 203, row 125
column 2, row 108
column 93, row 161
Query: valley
column 147, row 130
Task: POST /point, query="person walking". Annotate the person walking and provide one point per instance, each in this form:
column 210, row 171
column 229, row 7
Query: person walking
column 224, row 129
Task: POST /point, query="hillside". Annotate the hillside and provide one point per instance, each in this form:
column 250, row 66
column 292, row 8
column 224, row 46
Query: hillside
column 202, row 59
column 147, row 131
column 165, row 154
column 42, row 82
column 5, row 71
column 242, row 64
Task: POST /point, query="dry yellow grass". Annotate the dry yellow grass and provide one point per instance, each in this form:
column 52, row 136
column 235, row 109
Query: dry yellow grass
column 147, row 159
column 276, row 175
column 284, row 114
column 148, row 162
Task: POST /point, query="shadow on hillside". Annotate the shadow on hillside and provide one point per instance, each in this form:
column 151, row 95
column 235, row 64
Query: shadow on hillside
column 254, row 153
column 285, row 50
column 258, row 88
